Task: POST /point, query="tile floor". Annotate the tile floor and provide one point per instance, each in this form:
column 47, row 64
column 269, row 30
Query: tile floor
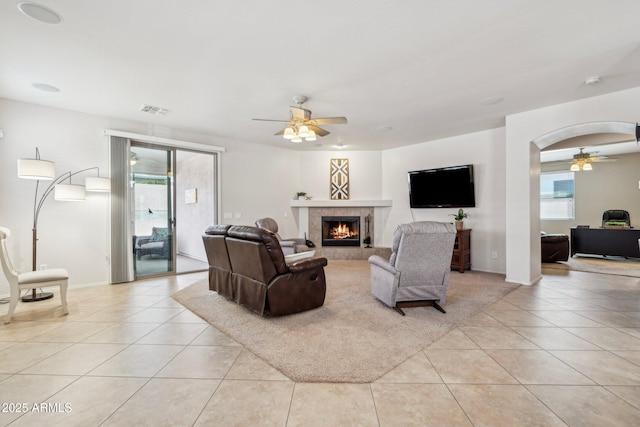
column 563, row 352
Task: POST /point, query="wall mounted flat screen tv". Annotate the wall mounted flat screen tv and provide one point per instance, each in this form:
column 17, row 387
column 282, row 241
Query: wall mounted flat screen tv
column 451, row 187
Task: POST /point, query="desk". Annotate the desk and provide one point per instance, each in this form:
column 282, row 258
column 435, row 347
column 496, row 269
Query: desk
column 602, row 241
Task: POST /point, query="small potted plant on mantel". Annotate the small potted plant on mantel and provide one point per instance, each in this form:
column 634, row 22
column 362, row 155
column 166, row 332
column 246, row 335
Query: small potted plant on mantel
column 301, row 195
column 459, row 217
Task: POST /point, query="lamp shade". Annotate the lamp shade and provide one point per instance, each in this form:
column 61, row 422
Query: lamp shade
column 297, row 139
column 69, row 193
column 311, row 136
column 36, row 169
column 96, row 183
column 587, row 167
column 289, row 133
column 303, row 132
column 574, row 167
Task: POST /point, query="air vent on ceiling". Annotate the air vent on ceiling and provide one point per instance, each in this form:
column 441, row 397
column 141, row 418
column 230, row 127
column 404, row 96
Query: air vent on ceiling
column 153, row 110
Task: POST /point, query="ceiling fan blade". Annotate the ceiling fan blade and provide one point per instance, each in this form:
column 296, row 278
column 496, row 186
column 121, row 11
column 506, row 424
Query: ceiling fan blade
column 329, row 121
column 270, row 120
column 318, row 131
column 280, row 133
column 300, row 113
column 558, row 162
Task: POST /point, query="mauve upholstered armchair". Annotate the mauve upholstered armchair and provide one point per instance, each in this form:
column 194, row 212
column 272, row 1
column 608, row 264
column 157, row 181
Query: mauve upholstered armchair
column 289, row 246
column 417, row 273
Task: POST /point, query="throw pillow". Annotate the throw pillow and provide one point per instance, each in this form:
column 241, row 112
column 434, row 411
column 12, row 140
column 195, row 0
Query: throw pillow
column 159, row 234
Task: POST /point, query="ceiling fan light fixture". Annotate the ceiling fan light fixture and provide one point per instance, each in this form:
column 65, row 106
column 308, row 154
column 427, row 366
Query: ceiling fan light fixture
column 574, row 167
column 311, row 136
column 303, row 132
column 300, row 124
column 289, row 133
column 587, row 167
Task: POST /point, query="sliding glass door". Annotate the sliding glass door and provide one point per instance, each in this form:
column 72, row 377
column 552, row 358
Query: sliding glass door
column 152, row 209
column 195, row 207
column 164, row 194
column 173, row 199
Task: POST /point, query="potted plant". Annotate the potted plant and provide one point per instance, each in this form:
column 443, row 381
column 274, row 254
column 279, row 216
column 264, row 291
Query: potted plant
column 301, row 195
column 459, row 217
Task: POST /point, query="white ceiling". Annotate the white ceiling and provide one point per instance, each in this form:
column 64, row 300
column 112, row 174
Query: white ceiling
column 421, row 67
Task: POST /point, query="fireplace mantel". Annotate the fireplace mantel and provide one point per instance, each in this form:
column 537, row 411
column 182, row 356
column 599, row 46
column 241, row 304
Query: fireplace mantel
column 340, row 203
column 309, row 213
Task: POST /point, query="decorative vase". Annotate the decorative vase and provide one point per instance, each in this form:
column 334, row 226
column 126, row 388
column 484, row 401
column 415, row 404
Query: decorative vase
column 459, row 225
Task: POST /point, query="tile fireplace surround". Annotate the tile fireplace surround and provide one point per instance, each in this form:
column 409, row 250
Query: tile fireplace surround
column 310, row 213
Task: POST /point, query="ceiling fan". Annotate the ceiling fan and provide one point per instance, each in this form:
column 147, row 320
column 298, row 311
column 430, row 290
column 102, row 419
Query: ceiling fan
column 300, row 124
column 582, row 161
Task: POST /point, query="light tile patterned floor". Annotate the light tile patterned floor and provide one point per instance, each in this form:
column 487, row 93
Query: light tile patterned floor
column 565, row 351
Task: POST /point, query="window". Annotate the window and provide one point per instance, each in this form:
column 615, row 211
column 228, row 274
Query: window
column 557, row 195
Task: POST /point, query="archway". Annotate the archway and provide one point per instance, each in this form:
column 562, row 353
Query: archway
column 575, row 135
column 578, row 135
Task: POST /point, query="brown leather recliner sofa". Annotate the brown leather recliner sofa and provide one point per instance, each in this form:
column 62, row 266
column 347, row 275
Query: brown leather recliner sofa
column 246, row 264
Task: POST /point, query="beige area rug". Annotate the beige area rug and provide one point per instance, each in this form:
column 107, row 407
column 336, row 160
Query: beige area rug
column 611, row 265
column 353, row 337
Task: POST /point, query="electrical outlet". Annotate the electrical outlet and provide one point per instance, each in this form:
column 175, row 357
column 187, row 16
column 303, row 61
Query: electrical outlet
column 494, row 255
column 237, row 215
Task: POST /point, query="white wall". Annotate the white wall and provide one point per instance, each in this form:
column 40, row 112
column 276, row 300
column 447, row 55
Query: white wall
column 257, row 181
column 365, row 174
column 523, row 243
column 71, row 234
column 485, row 150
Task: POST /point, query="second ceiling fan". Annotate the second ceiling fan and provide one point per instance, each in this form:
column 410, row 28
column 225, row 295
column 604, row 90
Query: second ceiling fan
column 582, row 161
column 301, row 126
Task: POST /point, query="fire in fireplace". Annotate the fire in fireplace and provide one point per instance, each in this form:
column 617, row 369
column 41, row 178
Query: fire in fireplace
column 340, row 231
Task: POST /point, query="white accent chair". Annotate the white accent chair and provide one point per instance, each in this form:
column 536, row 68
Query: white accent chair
column 417, row 273
column 29, row 280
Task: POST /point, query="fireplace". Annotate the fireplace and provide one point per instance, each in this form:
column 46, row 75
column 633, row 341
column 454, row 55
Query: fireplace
column 340, row 231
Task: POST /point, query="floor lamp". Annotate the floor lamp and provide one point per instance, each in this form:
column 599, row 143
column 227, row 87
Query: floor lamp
column 44, row 170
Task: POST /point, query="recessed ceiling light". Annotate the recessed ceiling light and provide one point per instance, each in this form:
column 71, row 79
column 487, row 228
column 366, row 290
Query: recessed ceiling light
column 39, row 12
column 492, row 100
column 593, row 80
column 45, row 87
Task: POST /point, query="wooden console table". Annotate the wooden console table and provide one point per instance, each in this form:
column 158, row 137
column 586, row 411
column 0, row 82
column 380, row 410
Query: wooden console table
column 605, row 241
column 461, row 258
